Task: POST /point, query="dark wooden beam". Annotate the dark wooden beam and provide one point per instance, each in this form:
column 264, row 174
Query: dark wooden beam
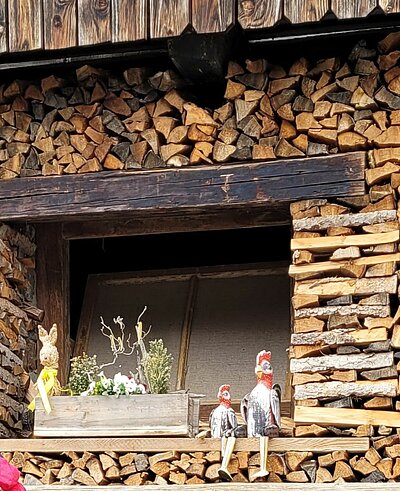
column 52, row 272
column 142, row 224
column 114, row 194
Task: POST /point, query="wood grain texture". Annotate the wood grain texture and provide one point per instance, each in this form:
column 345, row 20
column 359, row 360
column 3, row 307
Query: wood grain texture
column 190, row 189
column 94, row 21
column 168, row 17
column 3, row 27
column 59, row 24
column 345, row 417
column 389, row 6
column 212, row 15
column 129, row 20
column 298, row 11
column 144, row 415
column 54, row 445
column 255, row 14
column 24, row 25
column 352, row 9
column 53, row 278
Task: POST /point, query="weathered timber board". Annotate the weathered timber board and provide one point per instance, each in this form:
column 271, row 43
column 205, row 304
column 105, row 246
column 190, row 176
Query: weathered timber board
column 335, row 287
column 59, row 24
column 142, row 415
column 345, row 417
column 129, row 20
column 325, row 244
column 354, row 220
column 255, row 14
column 91, row 195
column 51, row 445
column 335, row 389
column 362, row 361
column 338, row 337
column 354, row 309
column 24, row 25
column 212, row 15
column 331, row 266
column 3, row 27
column 349, row 10
column 94, row 22
column 310, row 11
column 168, row 17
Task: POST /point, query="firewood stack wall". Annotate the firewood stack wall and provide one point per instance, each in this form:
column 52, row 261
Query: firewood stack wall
column 18, row 317
column 378, row 464
column 97, row 120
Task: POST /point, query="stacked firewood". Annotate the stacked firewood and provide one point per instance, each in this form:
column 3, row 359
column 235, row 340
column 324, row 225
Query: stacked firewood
column 17, row 328
column 98, row 120
column 346, row 330
column 380, row 463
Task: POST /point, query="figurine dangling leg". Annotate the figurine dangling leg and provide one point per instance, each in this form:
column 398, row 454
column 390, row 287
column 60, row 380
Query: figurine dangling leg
column 263, row 458
column 224, row 440
column 227, row 455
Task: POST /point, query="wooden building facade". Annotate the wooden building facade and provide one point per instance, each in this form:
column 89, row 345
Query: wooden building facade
column 107, row 152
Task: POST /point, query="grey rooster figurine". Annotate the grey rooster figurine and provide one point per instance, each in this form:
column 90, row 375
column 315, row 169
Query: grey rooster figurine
column 223, row 423
column 261, row 408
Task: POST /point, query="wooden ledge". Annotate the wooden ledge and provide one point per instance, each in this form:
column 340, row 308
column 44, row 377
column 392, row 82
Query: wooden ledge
column 348, row 486
column 116, row 194
column 54, row 445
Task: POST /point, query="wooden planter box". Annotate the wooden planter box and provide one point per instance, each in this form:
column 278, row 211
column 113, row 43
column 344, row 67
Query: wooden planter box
column 138, row 415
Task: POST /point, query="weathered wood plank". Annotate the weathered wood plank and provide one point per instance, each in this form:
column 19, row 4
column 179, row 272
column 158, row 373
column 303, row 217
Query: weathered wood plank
column 190, row 189
column 24, row 25
column 94, row 22
column 336, row 389
column 129, row 20
column 325, row 244
column 188, row 222
column 362, row 361
column 339, row 337
column 168, row 17
column 300, row 11
column 350, row 10
column 389, row 6
column 355, row 309
column 332, row 266
column 255, row 14
column 345, row 417
column 212, row 15
column 155, row 415
column 3, row 27
column 335, row 287
column 52, row 445
column 354, row 220
column 52, row 270
column 60, row 24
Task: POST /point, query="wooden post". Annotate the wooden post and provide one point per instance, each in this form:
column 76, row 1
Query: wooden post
column 53, row 287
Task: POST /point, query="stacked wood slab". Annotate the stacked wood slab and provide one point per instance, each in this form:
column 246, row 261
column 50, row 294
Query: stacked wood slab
column 17, row 329
column 171, row 467
column 344, row 340
column 97, row 120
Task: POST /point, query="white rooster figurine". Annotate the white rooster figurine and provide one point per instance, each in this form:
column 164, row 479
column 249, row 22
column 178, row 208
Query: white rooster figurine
column 261, row 408
column 223, row 423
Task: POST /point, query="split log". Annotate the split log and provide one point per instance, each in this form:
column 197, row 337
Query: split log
column 336, row 389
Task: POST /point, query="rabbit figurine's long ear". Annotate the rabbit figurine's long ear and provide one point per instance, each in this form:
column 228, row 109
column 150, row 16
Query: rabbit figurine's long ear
column 42, row 334
column 53, row 334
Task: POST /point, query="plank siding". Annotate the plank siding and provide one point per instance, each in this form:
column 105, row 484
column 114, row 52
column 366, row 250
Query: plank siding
column 94, row 22
column 350, row 10
column 25, row 25
column 212, row 15
column 60, row 29
column 298, row 11
column 168, row 17
column 255, row 14
column 3, row 27
column 129, row 20
column 389, row 6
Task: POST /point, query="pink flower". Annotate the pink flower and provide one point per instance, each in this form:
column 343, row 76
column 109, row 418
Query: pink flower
column 9, row 476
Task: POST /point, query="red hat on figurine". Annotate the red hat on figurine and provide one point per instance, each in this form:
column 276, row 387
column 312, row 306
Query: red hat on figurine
column 263, row 356
column 9, row 476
